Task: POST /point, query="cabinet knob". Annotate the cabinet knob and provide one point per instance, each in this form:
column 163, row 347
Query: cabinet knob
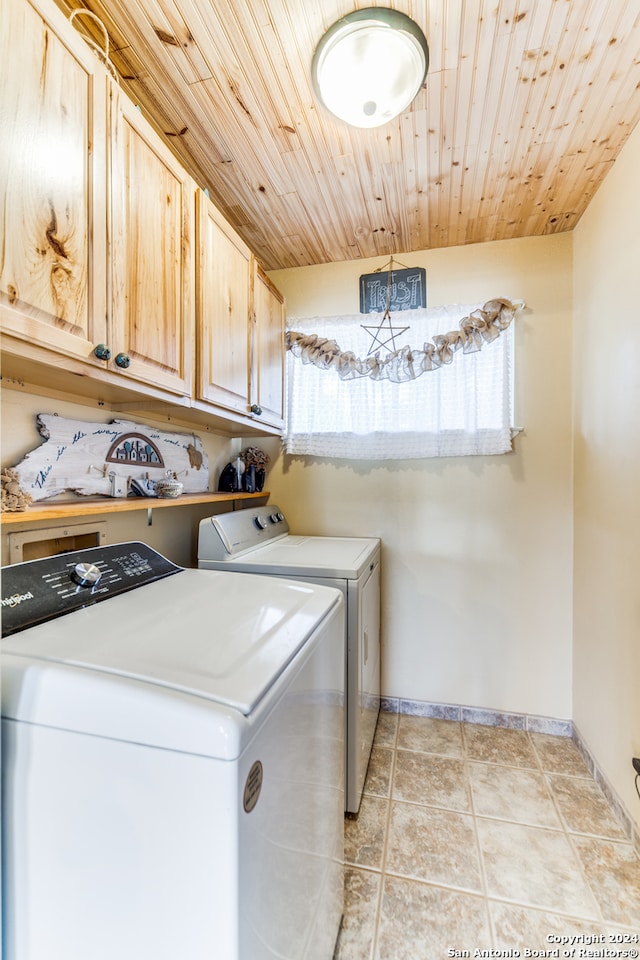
column 123, row 361
column 257, row 409
column 102, row 352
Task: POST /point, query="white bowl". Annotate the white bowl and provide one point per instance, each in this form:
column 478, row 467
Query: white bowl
column 169, row 488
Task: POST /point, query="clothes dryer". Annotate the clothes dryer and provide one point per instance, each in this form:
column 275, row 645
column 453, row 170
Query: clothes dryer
column 257, row 540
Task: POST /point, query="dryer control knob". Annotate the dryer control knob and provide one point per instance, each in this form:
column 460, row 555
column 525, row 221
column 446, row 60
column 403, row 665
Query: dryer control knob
column 274, row 517
column 86, row 574
column 260, row 523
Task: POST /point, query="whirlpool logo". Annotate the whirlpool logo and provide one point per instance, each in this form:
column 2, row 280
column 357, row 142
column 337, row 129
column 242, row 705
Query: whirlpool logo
column 16, row 599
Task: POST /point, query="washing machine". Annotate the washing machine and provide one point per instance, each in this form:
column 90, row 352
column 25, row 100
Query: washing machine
column 172, row 761
column 257, row 540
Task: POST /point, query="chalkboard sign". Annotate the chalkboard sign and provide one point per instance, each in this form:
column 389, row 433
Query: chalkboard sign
column 397, row 290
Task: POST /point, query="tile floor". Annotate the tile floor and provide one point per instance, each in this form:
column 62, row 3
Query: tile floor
column 484, row 841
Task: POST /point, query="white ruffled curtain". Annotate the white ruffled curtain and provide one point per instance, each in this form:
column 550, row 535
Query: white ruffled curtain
column 347, row 405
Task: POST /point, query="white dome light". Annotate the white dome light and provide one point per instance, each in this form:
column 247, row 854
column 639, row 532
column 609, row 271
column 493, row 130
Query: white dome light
column 370, row 65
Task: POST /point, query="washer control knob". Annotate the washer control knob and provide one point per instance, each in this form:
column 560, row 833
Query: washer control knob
column 274, row 518
column 260, row 523
column 280, row 516
column 86, row 574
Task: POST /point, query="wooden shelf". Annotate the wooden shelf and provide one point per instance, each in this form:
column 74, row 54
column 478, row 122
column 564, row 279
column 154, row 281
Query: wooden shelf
column 63, row 509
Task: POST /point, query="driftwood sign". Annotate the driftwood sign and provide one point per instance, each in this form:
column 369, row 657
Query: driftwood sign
column 104, row 458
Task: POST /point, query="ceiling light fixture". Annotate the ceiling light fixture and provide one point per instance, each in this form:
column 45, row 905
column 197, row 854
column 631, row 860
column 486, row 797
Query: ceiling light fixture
column 369, row 66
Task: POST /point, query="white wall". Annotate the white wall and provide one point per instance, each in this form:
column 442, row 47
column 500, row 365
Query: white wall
column 477, row 551
column 607, row 474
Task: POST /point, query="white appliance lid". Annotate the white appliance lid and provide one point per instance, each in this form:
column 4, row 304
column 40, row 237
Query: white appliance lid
column 215, row 636
column 343, row 558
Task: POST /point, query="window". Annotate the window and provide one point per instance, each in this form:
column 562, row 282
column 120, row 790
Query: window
column 461, row 407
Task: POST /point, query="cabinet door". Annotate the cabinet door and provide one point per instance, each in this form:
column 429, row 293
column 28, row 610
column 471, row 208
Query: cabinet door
column 53, row 107
column 267, row 350
column 223, row 301
column 152, row 258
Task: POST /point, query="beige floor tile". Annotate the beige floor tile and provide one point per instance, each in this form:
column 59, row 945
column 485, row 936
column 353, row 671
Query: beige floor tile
column 422, row 922
column 509, row 793
column 378, row 779
column 559, row 755
column 424, row 778
column 585, row 808
column 438, row 846
column 453, row 812
column 386, row 730
column 361, row 893
column 533, row 866
column 499, row 745
column 364, row 836
column 430, row 735
column 521, row 928
column 613, row 872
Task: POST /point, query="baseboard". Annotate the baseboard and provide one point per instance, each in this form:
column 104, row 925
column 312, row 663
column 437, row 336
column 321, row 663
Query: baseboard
column 488, row 718
column 620, row 812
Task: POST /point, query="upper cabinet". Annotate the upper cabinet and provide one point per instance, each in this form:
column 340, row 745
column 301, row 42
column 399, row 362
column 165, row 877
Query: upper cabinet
column 239, row 323
column 223, row 283
column 53, row 282
column 152, row 230
column 119, row 279
column 267, row 351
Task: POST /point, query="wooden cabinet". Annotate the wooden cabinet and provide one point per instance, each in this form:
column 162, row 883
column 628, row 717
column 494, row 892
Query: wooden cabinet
column 103, row 247
column 267, row 350
column 98, row 215
column 240, row 325
column 223, row 284
column 53, row 106
column 152, row 229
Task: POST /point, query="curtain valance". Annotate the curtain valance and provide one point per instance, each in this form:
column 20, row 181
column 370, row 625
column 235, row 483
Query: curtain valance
column 482, row 325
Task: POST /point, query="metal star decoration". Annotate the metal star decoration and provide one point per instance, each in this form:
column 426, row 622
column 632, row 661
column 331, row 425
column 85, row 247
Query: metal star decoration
column 376, row 333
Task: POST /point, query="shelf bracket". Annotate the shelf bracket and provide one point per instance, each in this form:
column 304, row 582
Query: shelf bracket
column 149, row 516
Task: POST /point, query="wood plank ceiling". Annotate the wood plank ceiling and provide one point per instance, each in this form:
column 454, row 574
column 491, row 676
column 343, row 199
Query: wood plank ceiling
column 524, row 110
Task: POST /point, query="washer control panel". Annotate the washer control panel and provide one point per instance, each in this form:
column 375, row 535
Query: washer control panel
column 39, row 590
